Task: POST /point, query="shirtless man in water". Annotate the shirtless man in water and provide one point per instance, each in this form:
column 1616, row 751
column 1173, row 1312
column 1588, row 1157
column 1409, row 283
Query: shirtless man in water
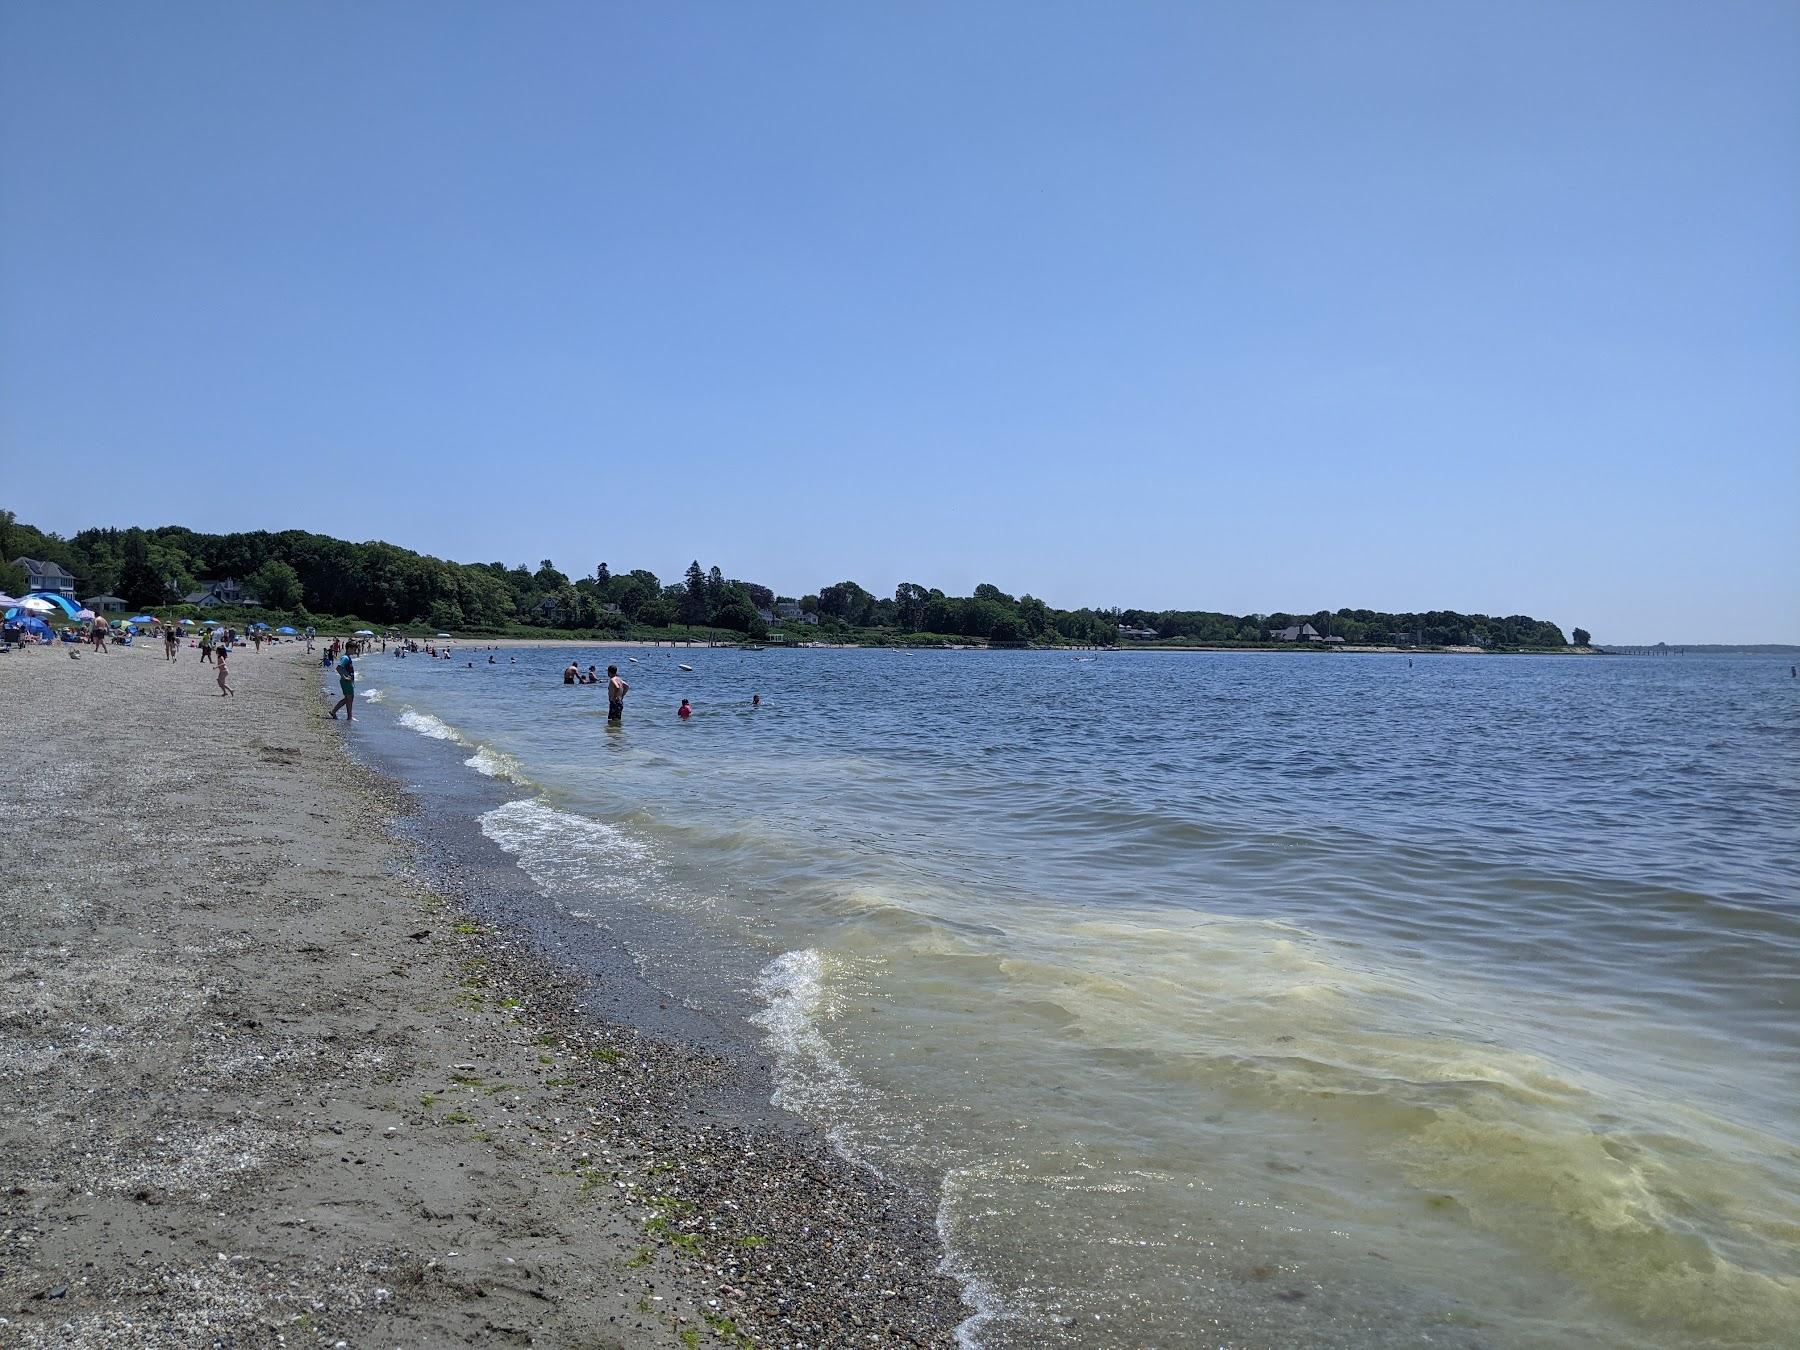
column 616, row 689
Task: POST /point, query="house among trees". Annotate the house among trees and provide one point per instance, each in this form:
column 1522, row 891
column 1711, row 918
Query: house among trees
column 106, row 604
column 47, row 576
column 1300, row 632
column 226, row 592
column 1141, row 634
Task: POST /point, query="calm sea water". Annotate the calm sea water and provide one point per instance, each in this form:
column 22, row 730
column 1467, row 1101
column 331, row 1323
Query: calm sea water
column 1227, row 999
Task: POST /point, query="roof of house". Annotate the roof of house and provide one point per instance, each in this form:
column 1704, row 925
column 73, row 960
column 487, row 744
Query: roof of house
column 43, row 569
column 93, row 600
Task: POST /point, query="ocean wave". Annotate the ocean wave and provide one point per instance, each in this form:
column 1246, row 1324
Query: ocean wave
column 565, row 853
column 496, row 764
column 372, row 696
column 810, row 1080
column 427, row 725
column 978, row 1293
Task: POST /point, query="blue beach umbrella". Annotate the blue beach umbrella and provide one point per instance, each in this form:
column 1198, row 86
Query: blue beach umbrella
column 285, row 629
column 188, row 623
column 141, row 618
column 212, row 623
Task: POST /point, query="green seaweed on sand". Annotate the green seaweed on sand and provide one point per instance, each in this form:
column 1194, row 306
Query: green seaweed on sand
column 727, row 1330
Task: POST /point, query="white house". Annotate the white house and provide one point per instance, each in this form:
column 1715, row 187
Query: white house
column 105, row 604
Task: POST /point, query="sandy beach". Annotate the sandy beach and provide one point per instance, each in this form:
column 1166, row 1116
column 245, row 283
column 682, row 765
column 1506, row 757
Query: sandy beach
column 261, row 1085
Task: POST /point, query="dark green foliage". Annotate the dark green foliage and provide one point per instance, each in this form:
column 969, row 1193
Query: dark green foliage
column 1582, row 638
column 295, row 571
column 277, row 585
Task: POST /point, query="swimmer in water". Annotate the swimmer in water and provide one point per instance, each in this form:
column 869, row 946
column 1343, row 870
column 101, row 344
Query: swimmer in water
column 684, row 712
column 756, row 700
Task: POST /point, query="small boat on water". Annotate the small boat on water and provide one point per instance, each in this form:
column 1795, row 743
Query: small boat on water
column 682, row 667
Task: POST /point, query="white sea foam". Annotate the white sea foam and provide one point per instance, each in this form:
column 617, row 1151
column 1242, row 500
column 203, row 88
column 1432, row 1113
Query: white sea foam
column 562, row 852
column 372, row 696
column 978, row 1292
column 427, row 725
column 496, row 764
column 809, row 1079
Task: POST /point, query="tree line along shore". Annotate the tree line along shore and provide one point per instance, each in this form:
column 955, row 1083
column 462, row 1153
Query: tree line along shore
column 297, row 577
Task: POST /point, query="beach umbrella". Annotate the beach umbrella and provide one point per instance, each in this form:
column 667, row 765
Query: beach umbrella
column 188, row 622
column 143, row 618
column 35, row 606
column 212, row 623
column 285, row 629
column 9, row 601
column 364, row 632
column 84, row 614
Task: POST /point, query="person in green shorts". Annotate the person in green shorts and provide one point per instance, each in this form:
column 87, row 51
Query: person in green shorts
column 346, row 671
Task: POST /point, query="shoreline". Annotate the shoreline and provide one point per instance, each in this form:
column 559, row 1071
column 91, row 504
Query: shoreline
column 260, row 1079
column 514, row 643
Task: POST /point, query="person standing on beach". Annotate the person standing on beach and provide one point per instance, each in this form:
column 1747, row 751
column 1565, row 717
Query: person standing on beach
column 206, row 645
column 224, row 689
column 346, row 669
column 171, row 643
column 616, row 689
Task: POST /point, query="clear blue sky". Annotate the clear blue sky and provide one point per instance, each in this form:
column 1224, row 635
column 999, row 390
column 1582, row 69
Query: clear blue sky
column 1232, row 306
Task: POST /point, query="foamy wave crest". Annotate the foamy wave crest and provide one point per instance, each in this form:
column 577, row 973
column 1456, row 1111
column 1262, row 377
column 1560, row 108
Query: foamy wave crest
column 427, row 725
column 978, row 1294
column 496, row 764
column 372, row 696
column 563, row 853
column 809, row 1078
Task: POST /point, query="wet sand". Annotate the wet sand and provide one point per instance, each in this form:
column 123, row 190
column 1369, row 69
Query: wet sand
column 261, row 1085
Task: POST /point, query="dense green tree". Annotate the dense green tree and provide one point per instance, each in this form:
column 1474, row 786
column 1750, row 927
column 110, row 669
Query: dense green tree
column 691, row 605
column 277, row 585
column 1582, row 637
column 139, row 581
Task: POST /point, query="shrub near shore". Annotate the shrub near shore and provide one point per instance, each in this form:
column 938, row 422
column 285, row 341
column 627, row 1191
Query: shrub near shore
column 311, row 578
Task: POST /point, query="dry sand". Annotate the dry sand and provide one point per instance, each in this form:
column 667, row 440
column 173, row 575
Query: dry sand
column 261, row 1086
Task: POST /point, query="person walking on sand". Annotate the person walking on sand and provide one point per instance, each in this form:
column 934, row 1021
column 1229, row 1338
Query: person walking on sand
column 171, row 643
column 346, row 669
column 225, row 690
column 616, row 689
column 206, row 641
